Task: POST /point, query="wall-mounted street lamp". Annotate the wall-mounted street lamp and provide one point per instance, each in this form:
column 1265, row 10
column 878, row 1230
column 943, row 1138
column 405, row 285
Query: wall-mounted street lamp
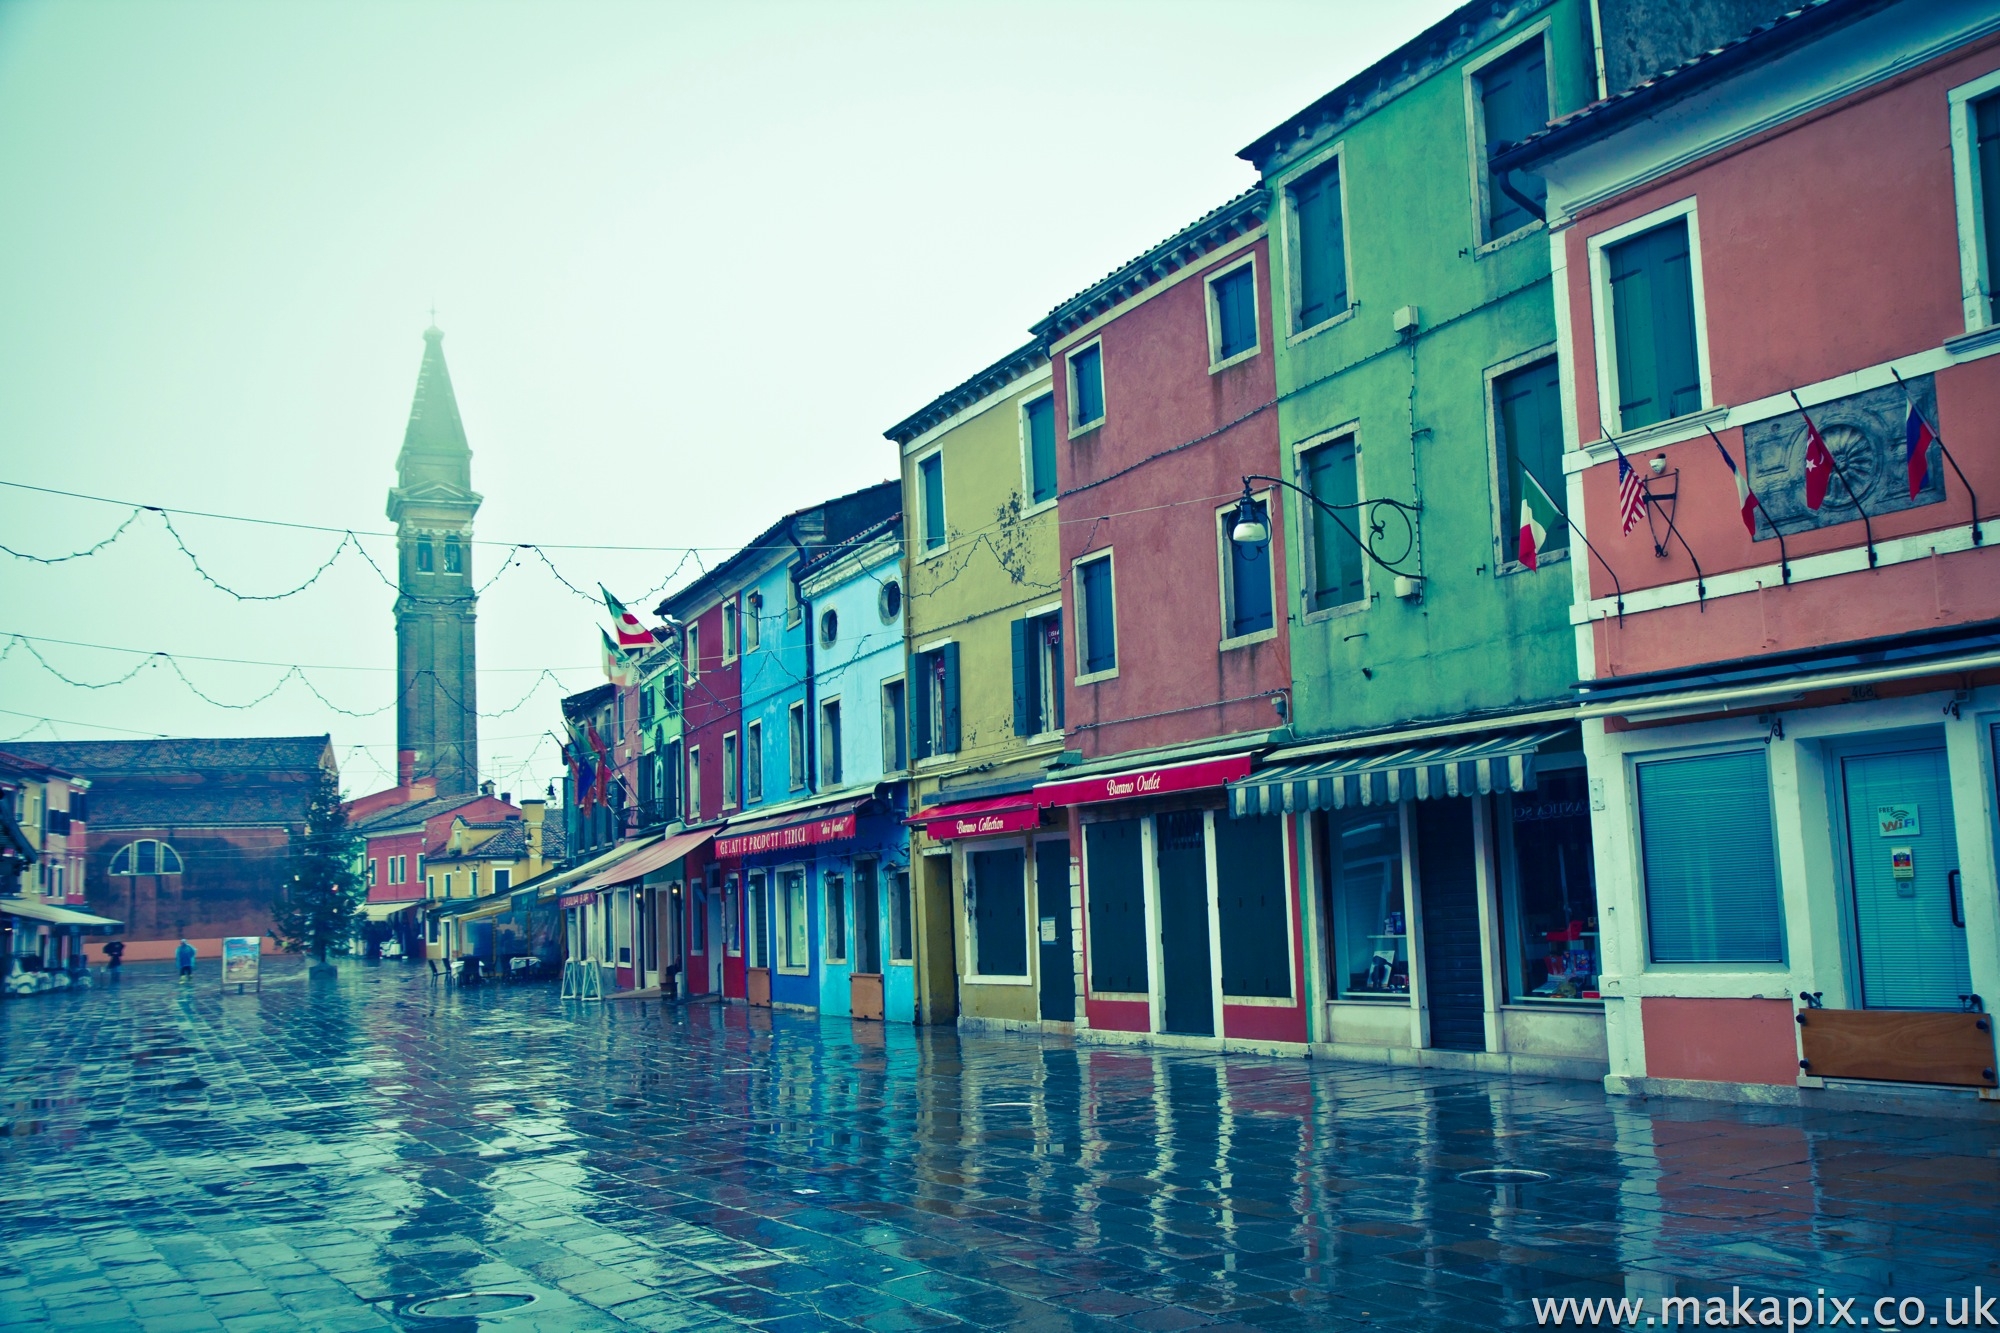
column 1391, row 525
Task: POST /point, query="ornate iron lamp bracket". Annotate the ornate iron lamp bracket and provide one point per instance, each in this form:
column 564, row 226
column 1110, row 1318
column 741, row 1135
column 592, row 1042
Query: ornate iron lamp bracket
column 1384, row 529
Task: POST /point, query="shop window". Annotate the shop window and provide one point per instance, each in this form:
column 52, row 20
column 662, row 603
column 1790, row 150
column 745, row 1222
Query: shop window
column 1511, row 102
column 760, row 920
column 1038, row 697
column 1528, row 433
column 996, row 890
column 901, row 935
column 1038, row 448
column 1252, row 897
column 794, row 942
column 1651, row 278
column 1115, row 889
column 1246, row 577
column 1362, row 857
column 1550, row 908
column 1332, row 473
column 833, row 918
column 1709, row 860
column 1319, row 247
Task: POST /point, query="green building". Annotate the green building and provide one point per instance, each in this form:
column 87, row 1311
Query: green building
column 1435, row 775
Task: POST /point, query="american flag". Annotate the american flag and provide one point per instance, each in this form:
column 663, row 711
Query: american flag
column 1631, row 495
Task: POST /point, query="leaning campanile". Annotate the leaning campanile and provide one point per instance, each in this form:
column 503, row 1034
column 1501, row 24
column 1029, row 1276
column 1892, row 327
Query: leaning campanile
column 437, row 701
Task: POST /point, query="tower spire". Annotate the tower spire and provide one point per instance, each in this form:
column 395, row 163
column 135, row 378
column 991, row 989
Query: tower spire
column 432, row 505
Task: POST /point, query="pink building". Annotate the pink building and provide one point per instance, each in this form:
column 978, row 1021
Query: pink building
column 1178, row 657
column 1784, row 253
column 397, row 839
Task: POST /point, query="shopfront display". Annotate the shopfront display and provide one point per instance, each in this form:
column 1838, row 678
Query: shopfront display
column 1362, row 875
column 1549, row 879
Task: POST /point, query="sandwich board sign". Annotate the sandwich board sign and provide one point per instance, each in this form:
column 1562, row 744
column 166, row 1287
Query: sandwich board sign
column 240, row 957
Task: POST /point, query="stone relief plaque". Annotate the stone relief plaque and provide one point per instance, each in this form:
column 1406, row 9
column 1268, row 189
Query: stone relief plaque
column 1865, row 433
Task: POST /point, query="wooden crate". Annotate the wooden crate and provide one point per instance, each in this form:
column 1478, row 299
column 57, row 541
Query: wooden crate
column 1898, row 1046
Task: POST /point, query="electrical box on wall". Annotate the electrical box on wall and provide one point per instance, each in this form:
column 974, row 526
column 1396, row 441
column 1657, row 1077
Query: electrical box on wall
column 1409, row 588
column 1405, row 318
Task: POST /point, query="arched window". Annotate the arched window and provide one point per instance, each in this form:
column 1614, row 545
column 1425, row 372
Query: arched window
column 147, row 856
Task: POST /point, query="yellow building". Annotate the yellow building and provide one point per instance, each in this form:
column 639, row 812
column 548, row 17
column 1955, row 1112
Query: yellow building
column 483, row 860
column 984, row 697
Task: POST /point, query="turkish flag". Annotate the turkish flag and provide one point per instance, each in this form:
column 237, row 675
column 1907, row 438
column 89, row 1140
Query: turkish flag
column 1819, row 467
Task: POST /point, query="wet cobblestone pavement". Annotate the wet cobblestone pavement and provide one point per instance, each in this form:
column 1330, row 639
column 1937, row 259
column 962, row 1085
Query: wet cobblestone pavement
column 327, row 1156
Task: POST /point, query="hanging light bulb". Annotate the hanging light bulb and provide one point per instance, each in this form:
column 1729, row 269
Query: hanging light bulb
column 1249, row 528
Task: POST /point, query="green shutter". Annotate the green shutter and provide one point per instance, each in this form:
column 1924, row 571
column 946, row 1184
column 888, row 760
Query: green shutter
column 1513, row 104
column 920, row 705
column 1652, row 319
column 949, row 741
column 1042, row 449
column 1528, row 404
column 1710, row 860
column 930, row 474
column 1024, row 724
column 1333, row 475
column 1115, row 904
column 1322, row 260
column 1250, row 609
column 1100, row 635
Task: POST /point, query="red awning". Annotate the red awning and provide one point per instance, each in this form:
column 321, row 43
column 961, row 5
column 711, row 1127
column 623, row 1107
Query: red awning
column 1135, row 783
column 833, row 822
column 644, row 861
column 971, row 819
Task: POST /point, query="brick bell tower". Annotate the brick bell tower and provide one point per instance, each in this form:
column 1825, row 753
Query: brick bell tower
column 437, row 701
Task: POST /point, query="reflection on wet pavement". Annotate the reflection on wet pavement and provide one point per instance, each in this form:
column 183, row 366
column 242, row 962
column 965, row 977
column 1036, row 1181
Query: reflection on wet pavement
column 348, row 1156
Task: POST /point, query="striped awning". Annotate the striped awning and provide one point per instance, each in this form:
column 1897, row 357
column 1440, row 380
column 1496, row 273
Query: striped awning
column 1383, row 777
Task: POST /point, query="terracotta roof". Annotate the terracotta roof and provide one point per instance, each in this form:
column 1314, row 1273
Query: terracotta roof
column 510, row 844
column 1766, row 41
column 1018, row 363
column 190, row 782
column 414, row 812
column 1215, row 228
column 17, row 766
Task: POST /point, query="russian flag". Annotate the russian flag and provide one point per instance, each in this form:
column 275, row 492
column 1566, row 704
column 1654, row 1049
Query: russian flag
column 1917, row 439
column 1746, row 499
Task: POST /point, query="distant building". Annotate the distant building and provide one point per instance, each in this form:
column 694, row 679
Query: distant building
column 48, row 806
column 397, row 844
column 193, row 836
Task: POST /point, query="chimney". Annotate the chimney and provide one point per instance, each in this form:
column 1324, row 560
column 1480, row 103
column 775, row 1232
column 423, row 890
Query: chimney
column 486, row 787
column 423, row 789
column 506, row 798
column 406, row 767
column 532, row 812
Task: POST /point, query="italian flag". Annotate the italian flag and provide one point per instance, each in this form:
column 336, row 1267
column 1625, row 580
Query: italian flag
column 1538, row 514
column 618, row 667
column 631, row 634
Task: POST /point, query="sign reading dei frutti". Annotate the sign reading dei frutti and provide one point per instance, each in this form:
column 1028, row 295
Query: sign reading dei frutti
column 834, row 828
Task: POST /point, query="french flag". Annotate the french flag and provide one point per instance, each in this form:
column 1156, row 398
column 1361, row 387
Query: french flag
column 1917, row 440
column 1746, row 499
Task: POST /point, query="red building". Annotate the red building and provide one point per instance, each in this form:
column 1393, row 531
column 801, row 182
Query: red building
column 396, row 841
column 1779, row 266
column 1179, row 658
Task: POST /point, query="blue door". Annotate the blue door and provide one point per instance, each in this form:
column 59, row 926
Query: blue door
column 1909, row 908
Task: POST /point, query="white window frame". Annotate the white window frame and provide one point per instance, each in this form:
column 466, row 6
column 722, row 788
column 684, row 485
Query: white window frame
column 732, row 915
column 1077, row 428
column 692, row 641
column 924, row 550
column 829, row 779
column 693, row 787
column 753, row 728
column 798, row 768
column 1475, row 129
column 1975, row 266
column 1225, row 577
column 732, row 768
column 1081, row 634
column 781, row 907
column 1054, row 677
column 1216, row 361
column 1506, row 527
column 752, row 615
column 1029, row 505
column 731, row 628
column 1029, row 925
column 1604, row 331
column 1289, row 239
column 1307, row 616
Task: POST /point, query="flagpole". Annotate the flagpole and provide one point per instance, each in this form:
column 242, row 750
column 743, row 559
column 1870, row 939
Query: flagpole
column 1977, row 536
column 1784, row 560
column 1867, row 526
column 1578, row 532
column 1673, row 530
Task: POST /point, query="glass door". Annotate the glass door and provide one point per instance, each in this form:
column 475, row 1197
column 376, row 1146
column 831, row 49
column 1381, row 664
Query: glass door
column 1909, row 908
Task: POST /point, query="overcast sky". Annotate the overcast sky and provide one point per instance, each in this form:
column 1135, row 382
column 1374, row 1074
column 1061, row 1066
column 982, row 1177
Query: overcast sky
column 690, row 261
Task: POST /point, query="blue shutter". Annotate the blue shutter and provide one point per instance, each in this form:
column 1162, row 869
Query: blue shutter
column 1024, row 722
column 1249, row 585
column 1235, row 313
column 1986, row 131
column 1042, row 449
column 1710, row 860
column 949, row 741
column 1652, row 322
column 1100, row 634
column 1322, row 262
column 1087, row 369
